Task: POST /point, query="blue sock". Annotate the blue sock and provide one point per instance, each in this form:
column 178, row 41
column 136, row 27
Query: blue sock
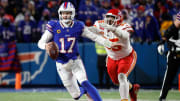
column 83, row 91
column 91, row 90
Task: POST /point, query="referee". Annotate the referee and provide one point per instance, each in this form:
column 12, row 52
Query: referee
column 172, row 37
column 101, row 66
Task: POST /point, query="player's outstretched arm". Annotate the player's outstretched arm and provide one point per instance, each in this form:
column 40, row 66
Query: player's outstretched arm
column 122, row 31
column 46, row 37
column 94, row 29
column 97, row 38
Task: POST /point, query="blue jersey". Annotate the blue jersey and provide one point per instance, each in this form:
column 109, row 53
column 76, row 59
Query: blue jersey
column 7, row 34
column 139, row 28
column 27, row 29
column 66, row 39
column 152, row 29
column 41, row 26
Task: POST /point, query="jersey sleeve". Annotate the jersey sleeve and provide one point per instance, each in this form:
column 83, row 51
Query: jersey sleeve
column 127, row 27
column 96, row 24
column 97, row 38
column 171, row 31
column 81, row 25
column 45, row 38
column 96, row 27
column 50, row 25
column 124, row 31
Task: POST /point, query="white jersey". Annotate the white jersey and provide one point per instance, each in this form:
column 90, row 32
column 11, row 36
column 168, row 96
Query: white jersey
column 119, row 51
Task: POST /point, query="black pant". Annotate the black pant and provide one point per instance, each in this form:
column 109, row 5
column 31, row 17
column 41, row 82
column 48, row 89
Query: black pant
column 171, row 71
column 102, row 71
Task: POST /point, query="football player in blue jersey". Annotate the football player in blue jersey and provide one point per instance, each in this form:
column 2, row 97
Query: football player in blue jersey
column 65, row 32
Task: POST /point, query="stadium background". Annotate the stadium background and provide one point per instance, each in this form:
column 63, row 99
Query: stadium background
column 39, row 70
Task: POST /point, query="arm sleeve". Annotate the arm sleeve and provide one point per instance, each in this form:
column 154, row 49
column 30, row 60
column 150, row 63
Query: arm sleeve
column 46, row 37
column 124, row 31
column 97, row 38
column 94, row 29
column 170, row 32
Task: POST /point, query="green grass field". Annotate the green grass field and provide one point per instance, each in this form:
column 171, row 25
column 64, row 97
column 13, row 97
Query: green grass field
column 107, row 95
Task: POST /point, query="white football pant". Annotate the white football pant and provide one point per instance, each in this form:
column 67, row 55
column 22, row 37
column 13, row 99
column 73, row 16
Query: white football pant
column 70, row 73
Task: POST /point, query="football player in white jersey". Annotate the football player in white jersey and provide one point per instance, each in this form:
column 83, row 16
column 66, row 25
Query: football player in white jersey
column 65, row 32
column 121, row 58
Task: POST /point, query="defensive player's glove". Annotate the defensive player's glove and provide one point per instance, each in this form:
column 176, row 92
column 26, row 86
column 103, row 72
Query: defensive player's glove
column 108, row 27
column 110, row 44
column 160, row 49
column 107, row 43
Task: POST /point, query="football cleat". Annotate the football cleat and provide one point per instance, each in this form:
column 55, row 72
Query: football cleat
column 134, row 91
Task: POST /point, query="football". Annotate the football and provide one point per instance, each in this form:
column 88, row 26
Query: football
column 52, row 50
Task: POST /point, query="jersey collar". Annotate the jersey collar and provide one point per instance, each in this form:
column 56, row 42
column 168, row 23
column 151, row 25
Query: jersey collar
column 64, row 26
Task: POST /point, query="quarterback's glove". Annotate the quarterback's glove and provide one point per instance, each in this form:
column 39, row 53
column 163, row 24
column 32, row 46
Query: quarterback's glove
column 160, row 49
column 108, row 27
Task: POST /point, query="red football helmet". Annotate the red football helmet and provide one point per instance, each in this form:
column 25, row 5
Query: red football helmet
column 113, row 17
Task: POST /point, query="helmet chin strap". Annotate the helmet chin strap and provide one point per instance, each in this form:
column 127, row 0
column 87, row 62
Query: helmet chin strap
column 66, row 23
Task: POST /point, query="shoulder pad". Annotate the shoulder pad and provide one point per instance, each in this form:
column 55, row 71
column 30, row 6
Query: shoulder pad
column 51, row 24
column 81, row 23
column 96, row 24
column 127, row 27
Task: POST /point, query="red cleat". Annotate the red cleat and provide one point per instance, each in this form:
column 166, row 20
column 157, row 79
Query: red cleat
column 134, row 91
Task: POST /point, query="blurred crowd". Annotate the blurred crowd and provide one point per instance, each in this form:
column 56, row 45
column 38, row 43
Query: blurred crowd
column 25, row 20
